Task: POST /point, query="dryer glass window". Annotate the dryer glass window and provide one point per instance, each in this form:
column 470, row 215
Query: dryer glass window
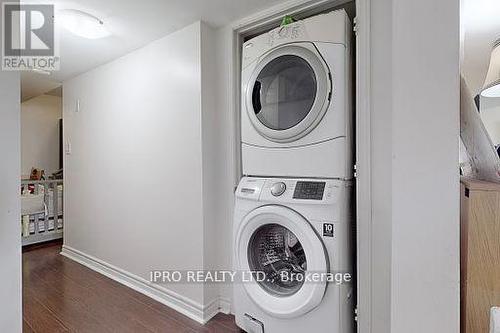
column 284, row 92
column 276, row 251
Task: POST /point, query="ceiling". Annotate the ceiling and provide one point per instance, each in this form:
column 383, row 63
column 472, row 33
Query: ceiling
column 480, row 28
column 33, row 85
column 136, row 23
column 133, row 24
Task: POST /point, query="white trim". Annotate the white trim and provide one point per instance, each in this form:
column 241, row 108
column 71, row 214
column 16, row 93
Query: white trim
column 274, row 14
column 210, row 310
column 194, row 310
column 224, row 305
column 363, row 166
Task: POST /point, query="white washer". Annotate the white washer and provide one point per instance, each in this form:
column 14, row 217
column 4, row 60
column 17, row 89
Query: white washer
column 296, row 114
column 300, row 228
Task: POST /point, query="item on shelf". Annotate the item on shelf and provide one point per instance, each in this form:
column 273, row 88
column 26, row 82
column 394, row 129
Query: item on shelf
column 36, row 174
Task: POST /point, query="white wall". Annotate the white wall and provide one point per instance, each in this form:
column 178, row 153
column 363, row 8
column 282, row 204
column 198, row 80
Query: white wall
column 10, row 209
column 415, row 128
column 381, row 167
column 227, row 173
column 40, row 133
column 10, row 205
column 136, row 194
column 211, row 159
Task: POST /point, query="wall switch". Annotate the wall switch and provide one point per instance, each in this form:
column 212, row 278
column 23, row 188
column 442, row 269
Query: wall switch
column 77, row 108
column 67, row 149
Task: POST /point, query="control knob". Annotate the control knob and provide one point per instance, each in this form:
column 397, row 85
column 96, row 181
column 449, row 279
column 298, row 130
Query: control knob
column 278, row 189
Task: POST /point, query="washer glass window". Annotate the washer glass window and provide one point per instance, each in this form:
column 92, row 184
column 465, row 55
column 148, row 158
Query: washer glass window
column 284, row 92
column 275, row 250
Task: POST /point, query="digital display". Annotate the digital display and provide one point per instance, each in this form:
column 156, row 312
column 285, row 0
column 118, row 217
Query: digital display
column 309, row 190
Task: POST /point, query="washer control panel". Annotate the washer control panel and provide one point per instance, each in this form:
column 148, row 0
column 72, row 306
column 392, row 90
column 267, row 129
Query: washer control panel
column 250, row 188
column 309, row 190
column 287, row 190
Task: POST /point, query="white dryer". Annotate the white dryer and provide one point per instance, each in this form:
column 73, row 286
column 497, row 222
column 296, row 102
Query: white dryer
column 297, row 228
column 296, row 111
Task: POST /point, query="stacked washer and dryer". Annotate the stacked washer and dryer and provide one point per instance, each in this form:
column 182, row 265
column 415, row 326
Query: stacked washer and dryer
column 293, row 216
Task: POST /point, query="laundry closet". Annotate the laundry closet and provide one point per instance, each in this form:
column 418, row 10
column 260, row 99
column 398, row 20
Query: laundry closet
column 294, row 215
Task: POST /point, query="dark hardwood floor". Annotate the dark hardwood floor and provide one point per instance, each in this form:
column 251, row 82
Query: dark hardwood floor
column 60, row 295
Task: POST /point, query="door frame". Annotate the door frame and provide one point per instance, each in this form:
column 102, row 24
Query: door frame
column 263, row 21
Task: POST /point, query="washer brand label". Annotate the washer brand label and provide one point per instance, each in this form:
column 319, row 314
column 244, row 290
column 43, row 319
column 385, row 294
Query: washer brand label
column 327, row 229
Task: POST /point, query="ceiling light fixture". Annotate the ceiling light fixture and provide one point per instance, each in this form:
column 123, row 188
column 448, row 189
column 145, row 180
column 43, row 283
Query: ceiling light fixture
column 491, row 86
column 82, row 24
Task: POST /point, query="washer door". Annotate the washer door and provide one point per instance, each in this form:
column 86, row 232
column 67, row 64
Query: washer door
column 288, row 92
column 276, row 241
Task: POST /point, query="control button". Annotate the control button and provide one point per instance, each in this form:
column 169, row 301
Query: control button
column 278, row 189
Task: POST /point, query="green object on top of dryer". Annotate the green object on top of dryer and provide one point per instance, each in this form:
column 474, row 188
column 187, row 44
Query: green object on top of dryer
column 287, row 19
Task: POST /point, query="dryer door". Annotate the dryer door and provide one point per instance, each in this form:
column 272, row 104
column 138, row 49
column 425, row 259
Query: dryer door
column 281, row 245
column 288, row 92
